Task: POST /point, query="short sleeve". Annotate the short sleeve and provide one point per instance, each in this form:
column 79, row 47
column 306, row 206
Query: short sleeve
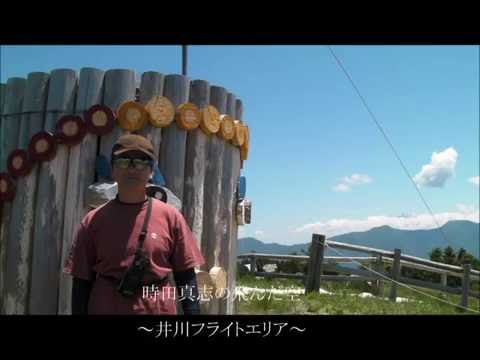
column 82, row 256
column 186, row 253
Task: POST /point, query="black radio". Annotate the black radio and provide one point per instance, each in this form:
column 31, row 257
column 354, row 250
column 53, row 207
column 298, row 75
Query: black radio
column 132, row 279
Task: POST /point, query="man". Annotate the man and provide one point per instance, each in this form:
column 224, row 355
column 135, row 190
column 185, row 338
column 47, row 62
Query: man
column 108, row 241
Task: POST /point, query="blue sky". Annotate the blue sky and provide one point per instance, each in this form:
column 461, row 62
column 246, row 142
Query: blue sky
column 317, row 162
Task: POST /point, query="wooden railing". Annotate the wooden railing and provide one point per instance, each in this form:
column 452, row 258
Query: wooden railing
column 375, row 269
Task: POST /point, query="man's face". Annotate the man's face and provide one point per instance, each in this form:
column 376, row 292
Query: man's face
column 130, row 170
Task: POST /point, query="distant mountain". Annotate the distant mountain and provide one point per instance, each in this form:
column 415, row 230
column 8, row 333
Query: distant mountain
column 246, row 245
column 459, row 233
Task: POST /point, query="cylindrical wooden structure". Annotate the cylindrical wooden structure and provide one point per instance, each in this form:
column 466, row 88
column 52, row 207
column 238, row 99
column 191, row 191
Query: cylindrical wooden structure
column 39, row 120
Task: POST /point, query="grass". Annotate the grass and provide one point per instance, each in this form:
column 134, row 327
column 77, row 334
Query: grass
column 342, row 302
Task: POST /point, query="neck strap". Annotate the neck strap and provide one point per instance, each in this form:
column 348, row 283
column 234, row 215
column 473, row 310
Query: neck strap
column 143, row 234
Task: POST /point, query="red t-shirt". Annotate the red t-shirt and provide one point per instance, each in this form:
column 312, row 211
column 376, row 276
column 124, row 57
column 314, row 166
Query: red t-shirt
column 105, row 243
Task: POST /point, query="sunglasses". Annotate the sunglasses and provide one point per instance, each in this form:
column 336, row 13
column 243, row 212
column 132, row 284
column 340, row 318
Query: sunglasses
column 136, row 163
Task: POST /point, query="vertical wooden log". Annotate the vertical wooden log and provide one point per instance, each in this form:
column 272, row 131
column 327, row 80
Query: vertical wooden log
column 465, row 286
column 119, row 87
column 12, row 106
column 3, row 89
column 227, row 207
column 22, row 214
column 11, row 121
column 379, row 284
column 395, row 274
column 195, row 164
column 213, row 222
column 81, row 173
column 315, row 266
column 50, row 201
column 174, row 139
column 151, row 85
column 213, row 219
column 232, row 263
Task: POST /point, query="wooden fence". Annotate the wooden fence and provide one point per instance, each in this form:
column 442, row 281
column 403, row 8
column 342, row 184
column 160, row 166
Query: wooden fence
column 318, row 263
column 38, row 226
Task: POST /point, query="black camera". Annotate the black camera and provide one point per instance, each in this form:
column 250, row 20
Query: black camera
column 132, row 279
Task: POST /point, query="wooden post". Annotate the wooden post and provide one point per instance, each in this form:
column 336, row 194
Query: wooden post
column 253, row 264
column 444, row 278
column 213, row 222
column 81, row 173
column 315, row 266
column 379, row 268
column 174, row 139
column 465, row 285
column 195, row 164
column 50, row 201
column 119, row 87
column 151, row 85
column 395, row 275
column 12, row 106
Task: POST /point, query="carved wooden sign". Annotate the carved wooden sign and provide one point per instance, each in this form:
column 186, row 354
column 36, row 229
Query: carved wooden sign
column 18, row 163
column 99, row 120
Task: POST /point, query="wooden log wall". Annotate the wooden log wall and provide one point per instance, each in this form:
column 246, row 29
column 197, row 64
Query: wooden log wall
column 38, row 226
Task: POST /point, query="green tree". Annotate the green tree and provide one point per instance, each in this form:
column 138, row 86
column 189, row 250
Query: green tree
column 461, row 256
column 436, row 254
column 449, row 255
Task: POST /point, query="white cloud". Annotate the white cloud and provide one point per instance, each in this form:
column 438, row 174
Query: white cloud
column 348, row 181
column 412, row 222
column 259, row 233
column 341, row 188
column 357, row 179
column 441, row 167
column 475, row 180
column 465, row 208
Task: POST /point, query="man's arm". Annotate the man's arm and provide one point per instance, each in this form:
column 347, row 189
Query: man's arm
column 188, row 281
column 80, row 295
